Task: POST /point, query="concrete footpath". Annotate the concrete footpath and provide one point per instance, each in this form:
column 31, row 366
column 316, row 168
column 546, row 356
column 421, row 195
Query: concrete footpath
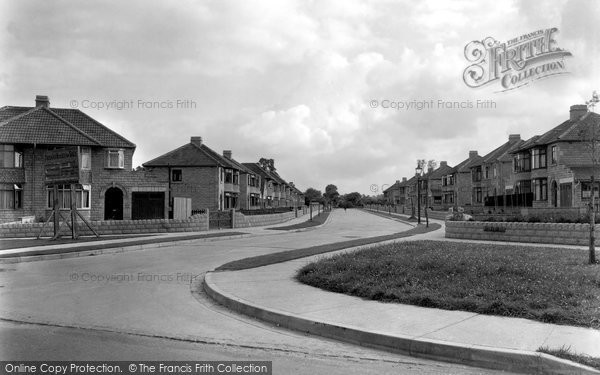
column 271, row 293
column 108, row 245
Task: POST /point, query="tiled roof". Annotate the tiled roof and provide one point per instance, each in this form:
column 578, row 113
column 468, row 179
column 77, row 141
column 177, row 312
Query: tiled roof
column 256, row 168
column 441, row 171
column 55, row 126
column 569, row 130
column 192, row 155
column 501, row 151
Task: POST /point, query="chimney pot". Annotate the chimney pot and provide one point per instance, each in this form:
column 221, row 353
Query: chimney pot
column 42, row 101
column 577, row 111
column 227, row 154
column 196, row 141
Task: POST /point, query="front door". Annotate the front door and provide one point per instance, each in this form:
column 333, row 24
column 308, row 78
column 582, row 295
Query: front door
column 113, row 204
column 566, row 195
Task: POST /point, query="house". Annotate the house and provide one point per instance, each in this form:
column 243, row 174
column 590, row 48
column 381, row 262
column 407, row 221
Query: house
column 396, row 194
column 457, row 183
column 209, row 179
column 94, row 159
column 275, row 191
column 555, row 169
column 493, row 175
column 434, row 185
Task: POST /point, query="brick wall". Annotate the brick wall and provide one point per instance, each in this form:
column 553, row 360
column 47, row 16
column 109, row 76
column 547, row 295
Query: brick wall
column 243, row 221
column 551, row 233
column 200, row 184
column 110, row 227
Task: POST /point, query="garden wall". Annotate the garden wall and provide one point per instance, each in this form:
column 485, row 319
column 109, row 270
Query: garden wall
column 552, row 233
column 245, row 221
column 195, row 223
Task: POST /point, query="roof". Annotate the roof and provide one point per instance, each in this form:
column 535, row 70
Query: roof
column 570, row 130
column 193, row 155
column 56, row 126
column 272, row 175
column 500, row 152
column 585, row 172
column 441, row 171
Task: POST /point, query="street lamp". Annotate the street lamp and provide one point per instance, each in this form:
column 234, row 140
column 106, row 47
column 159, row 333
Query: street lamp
column 418, row 172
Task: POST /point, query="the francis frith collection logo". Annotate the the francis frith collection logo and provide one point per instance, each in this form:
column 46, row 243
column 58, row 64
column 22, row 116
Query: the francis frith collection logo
column 514, row 63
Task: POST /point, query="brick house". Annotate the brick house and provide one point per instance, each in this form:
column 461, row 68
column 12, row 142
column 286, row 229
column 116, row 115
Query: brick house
column 396, row 194
column 211, row 180
column 555, row 168
column 457, row 183
column 275, row 191
column 492, row 175
column 106, row 187
column 434, row 188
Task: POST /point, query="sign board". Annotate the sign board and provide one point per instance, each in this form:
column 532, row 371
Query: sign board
column 61, row 166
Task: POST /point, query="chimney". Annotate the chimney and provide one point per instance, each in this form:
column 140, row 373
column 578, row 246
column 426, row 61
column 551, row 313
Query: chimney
column 404, row 179
column 42, row 101
column 514, row 138
column 472, row 154
column 196, row 141
column 227, row 154
column 577, row 111
column 443, row 163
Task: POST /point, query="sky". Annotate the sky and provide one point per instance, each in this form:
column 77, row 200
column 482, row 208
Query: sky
column 309, row 84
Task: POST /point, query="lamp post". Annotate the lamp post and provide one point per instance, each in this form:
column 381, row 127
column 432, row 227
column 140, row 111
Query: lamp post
column 418, row 172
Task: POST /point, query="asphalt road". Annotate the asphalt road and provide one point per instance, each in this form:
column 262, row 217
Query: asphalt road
column 147, row 305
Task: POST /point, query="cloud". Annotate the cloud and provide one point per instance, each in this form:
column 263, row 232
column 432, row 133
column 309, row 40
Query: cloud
column 292, row 80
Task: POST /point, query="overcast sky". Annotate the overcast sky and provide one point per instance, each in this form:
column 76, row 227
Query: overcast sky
column 294, row 80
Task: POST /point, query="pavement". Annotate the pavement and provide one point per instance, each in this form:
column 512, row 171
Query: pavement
column 106, row 245
column 272, row 294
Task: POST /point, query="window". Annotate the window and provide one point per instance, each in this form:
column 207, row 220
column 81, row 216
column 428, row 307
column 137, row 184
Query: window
column 82, row 196
column 495, row 171
column 540, row 189
column 176, row 175
column 522, row 162
column 229, row 176
column 538, row 158
column 236, row 178
column 10, row 158
column 586, row 190
column 476, row 174
column 11, row 197
column 487, row 172
column 554, row 155
column 86, row 158
column 478, row 195
column 115, row 159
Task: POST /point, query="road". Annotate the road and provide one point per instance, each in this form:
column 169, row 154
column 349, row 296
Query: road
column 148, row 305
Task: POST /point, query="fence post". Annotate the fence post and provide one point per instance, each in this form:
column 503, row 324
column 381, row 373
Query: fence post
column 207, row 219
column 232, row 218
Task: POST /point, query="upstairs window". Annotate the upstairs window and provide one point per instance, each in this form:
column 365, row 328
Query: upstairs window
column 236, row 178
column 10, row 158
column 522, row 162
column 554, row 155
column 86, row 158
column 176, row 175
column 229, row 176
column 538, row 158
column 115, row 159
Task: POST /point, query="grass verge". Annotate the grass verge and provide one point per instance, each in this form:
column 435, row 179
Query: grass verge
column 284, row 256
column 566, row 353
column 545, row 284
column 317, row 220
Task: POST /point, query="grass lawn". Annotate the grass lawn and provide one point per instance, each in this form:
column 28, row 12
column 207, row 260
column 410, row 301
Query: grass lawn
column 284, row 256
column 567, row 353
column 545, row 284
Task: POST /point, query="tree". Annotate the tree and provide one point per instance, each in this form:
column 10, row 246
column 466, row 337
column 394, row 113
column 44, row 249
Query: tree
column 313, row 195
column 353, row 199
column 590, row 136
column 331, row 194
